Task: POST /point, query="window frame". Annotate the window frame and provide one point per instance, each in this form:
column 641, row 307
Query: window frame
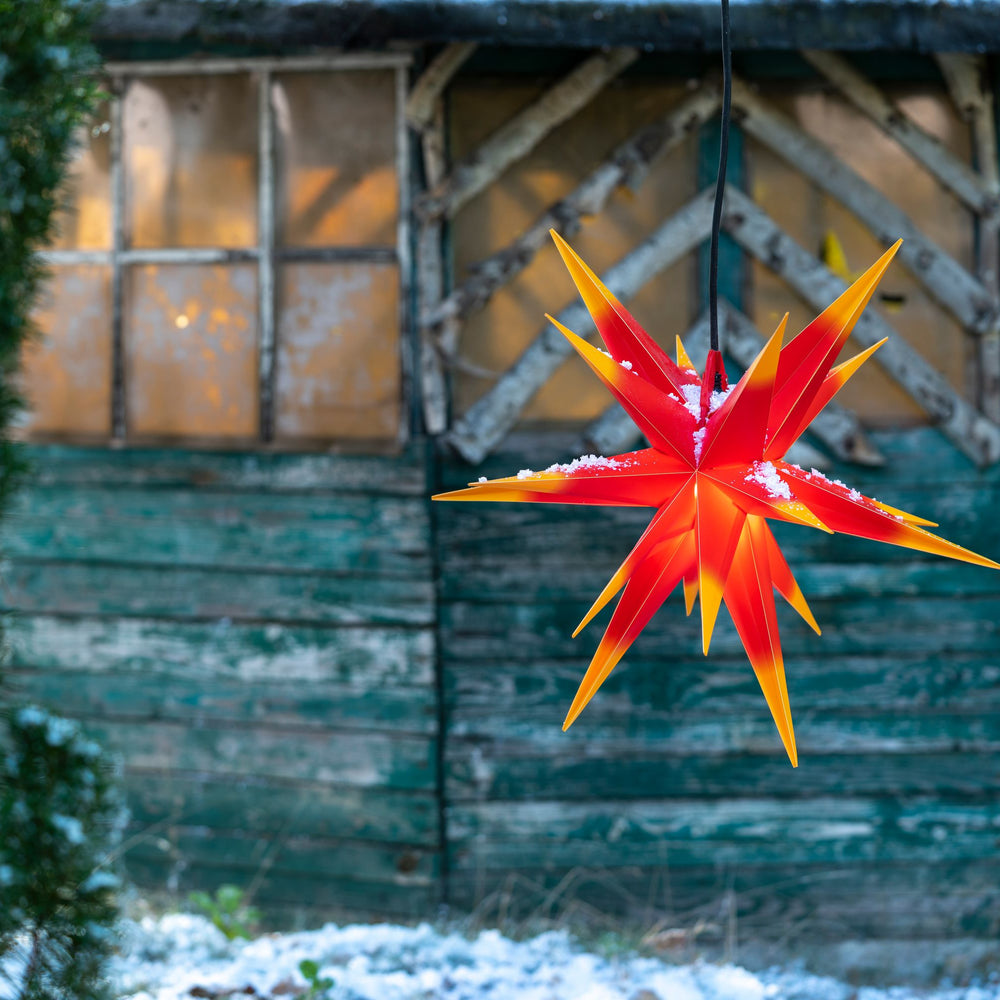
column 266, row 254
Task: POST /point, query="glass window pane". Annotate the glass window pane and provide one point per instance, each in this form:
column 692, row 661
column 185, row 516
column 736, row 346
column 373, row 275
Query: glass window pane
column 338, row 352
column 191, row 350
column 191, row 161
column 84, row 221
column 337, row 158
column 66, row 372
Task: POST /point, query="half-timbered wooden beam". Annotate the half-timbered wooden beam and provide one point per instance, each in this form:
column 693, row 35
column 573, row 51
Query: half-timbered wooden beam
column 932, row 154
column 944, row 278
column 968, row 81
column 489, row 419
column 625, row 166
column 760, row 236
column 523, row 132
column 422, row 102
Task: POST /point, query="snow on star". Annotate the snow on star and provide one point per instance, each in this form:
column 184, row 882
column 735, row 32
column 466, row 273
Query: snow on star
column 714, row 473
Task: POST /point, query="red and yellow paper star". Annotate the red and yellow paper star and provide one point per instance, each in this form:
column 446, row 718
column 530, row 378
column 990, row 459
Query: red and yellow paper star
column 715, row 474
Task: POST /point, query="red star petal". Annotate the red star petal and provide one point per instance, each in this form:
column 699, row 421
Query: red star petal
column 714, row 474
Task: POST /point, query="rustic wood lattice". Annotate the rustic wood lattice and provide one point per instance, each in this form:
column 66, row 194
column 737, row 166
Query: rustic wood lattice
column 972, row 299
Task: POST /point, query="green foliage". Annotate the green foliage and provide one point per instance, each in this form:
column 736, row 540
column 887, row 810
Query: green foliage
column 317, row 986
column 60, row 819
column 227, row 910
column 47, row 86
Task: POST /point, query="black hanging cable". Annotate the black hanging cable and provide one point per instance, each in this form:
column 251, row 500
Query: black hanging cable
column 720, row 185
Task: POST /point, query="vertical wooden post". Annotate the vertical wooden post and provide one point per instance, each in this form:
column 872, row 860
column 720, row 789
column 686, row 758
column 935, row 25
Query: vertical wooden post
column 118, row 411
column 431, row 286
column 266, row 257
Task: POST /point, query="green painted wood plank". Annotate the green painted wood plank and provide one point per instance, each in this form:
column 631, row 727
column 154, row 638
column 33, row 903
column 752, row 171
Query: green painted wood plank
column 287, row 854
column 352, row 759
column 410, row 710
column 493, row 579
column 383, row 535
column 72, row 589
column 794, row 903
column 540, row 629
column 385, row 815
column 840, row 829
column 750, row 731
column 363, row 657
column 894, row 684
column 75, row 466
column 477, row 771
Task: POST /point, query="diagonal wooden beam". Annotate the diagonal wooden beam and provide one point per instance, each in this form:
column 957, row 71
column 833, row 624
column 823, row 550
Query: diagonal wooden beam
column 968, row 80
column 760, row 236
column 489, row 419
column 957, row 176
column 836, row 427
column 422, row 102
column 946, row 280
column 625, row 166
column 523, row 132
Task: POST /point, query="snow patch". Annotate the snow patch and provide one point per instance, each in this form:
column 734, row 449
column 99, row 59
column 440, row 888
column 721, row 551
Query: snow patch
column 526, row 473
column 699, row 442
column 166, row 959
column 627, row 365
column 718, row 398
column 766, row 475
column 483, row 479
column 691, row 394
column 585, row 462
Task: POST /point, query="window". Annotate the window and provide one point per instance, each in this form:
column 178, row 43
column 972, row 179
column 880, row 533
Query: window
column 230, row 266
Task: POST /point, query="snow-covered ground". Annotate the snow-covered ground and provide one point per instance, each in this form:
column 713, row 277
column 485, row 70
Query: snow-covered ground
column 169, row 957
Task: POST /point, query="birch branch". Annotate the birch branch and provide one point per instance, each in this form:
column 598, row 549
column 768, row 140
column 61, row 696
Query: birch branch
column 492, row 416
column 957, row 176
column 523, row 132
column 625, row 166
column 946, row 280
column 430, row 282
column 759, row 235
column 423, row 98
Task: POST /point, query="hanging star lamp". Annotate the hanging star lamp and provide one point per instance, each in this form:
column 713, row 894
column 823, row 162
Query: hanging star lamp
column 714, row 470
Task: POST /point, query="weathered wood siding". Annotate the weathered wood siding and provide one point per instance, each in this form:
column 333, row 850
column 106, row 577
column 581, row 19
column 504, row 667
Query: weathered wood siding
column 254, row 634
column 671, row 793
column 257, row 636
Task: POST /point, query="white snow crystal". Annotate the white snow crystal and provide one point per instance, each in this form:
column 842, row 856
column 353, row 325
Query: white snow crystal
column 766, row 475
column 483, row 479
column 699, row 442
column 718, row 398
column 627, row 365
column 525, row 473
column 692, row 399
column 586, row 462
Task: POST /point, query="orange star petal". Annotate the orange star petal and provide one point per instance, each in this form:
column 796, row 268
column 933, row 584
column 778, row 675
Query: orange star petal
column 714, row 474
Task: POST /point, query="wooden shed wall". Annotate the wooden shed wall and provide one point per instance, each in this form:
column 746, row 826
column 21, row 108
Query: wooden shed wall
column 671, row 795
column 254, row 635
column 258, row 635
